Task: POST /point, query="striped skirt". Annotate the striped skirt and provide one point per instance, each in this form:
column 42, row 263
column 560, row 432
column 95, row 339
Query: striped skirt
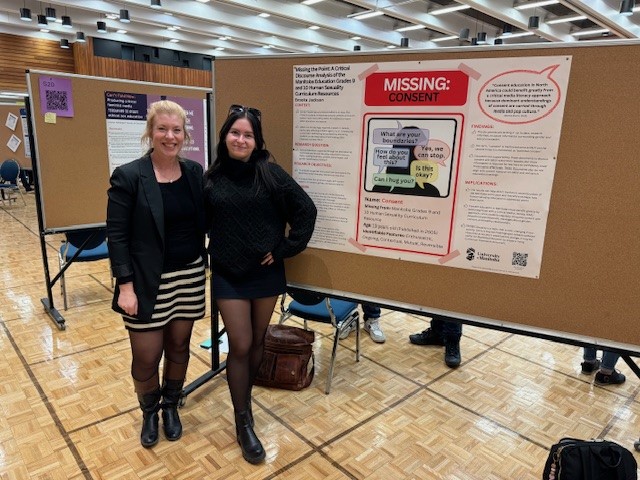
column 181, row 296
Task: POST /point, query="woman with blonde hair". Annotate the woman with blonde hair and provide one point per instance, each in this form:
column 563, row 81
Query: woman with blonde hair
column 156, row 226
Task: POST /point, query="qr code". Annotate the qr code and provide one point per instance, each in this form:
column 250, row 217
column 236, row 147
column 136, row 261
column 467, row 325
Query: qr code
column 519, row 259
column 56, row 100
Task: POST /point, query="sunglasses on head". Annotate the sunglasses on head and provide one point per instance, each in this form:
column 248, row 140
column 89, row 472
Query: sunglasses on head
column 235, row 108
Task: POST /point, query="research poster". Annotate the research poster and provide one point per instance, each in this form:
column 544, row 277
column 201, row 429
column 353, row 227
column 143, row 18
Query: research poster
column 126, row 121
column 448, row 162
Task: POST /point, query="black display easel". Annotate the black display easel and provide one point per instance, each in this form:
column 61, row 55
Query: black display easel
column 47, row 302
column 216, row 366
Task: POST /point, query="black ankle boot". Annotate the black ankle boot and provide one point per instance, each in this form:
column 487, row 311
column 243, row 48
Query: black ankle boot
column 149, row 404
column 250, row 413
column 252, row 450
column 171, row 392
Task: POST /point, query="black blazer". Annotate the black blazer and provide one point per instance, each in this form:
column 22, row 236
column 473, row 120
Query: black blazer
column 135, row 227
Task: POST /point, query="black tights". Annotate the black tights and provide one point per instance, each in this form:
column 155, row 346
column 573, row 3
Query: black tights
column 246, row 323
column 147, row 349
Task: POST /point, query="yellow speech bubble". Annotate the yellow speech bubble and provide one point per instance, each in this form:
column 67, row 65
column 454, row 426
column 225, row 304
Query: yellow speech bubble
column 425, row 171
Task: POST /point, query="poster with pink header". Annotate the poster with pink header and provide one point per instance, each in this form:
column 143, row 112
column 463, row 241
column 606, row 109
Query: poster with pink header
column 448, row 162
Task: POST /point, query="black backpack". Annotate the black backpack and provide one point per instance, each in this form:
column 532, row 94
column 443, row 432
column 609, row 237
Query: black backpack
column 598, row 459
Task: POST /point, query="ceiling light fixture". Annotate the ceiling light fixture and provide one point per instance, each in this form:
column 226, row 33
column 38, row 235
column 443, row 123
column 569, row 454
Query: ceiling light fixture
column 566, row 19
column 541, row 3
column 66, row 21
column 121, row 31
column 102, row 27
column 585, row 33
column 42, row 21
column 366, row 14
column 203, row 1
column 626, row 7
column 264, row 15
column 356, row 37
column 156, row 4
column 310, row 2
column 410, row 27
column 25, row 15
column 313, row 27
column 124, row 15
column 50, row 13
column 444, row 39
column 174, row 40
column 64, row 43
column 80, row 37
column 525, row 33
column 455, row 8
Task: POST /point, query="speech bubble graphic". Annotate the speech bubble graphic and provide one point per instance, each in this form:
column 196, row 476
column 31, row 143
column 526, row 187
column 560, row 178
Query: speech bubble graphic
column 394, row 180
column 436, row 150
column 520, row 96
column 424, row 171
column 401, row 137
column 390, row 157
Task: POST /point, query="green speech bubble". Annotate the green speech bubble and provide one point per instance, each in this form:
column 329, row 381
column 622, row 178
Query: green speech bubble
column 425, row 171
column 394, row 180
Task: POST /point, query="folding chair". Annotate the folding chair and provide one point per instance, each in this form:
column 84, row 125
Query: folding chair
column 9, row 172
column 317, row 307
column 94, row 247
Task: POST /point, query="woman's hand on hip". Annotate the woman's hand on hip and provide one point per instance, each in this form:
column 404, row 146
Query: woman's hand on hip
column 267, row 259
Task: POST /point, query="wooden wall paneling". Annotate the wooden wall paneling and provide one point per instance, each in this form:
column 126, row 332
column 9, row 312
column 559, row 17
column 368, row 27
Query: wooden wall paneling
column 23, row 53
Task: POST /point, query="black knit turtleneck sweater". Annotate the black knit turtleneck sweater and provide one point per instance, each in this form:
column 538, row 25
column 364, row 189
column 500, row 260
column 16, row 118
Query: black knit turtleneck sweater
column 247, row 222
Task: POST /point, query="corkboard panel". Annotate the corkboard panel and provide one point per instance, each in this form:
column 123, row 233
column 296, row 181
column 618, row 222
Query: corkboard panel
column 5, row 152
column 72, row 157
column 588, row 287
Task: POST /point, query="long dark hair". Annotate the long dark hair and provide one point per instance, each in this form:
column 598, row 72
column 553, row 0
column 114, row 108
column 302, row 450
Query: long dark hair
column 260, row 156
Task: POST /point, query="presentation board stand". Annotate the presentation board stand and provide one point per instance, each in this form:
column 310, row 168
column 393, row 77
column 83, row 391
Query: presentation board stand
column 216, row 365
column 47, row 302
column 80, row 129
column 584, row 287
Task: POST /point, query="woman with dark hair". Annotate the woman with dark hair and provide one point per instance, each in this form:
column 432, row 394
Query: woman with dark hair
column 250, row 200
column 156, row 225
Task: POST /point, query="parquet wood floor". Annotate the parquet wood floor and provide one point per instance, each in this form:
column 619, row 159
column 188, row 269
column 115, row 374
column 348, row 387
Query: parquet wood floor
column 68, row 411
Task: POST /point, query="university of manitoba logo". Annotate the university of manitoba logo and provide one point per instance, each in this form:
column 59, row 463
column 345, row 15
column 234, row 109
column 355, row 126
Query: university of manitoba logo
column 471, row 253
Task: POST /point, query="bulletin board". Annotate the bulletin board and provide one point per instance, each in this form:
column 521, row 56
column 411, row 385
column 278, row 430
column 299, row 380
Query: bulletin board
column 71, row 152
column 588, row 287
column 7, row 114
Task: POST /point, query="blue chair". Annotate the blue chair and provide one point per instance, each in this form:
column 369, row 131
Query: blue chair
column 9, row 172
column 94, row 247
column 317, row 307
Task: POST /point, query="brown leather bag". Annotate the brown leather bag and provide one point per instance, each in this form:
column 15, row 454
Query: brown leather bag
column 288, row 361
